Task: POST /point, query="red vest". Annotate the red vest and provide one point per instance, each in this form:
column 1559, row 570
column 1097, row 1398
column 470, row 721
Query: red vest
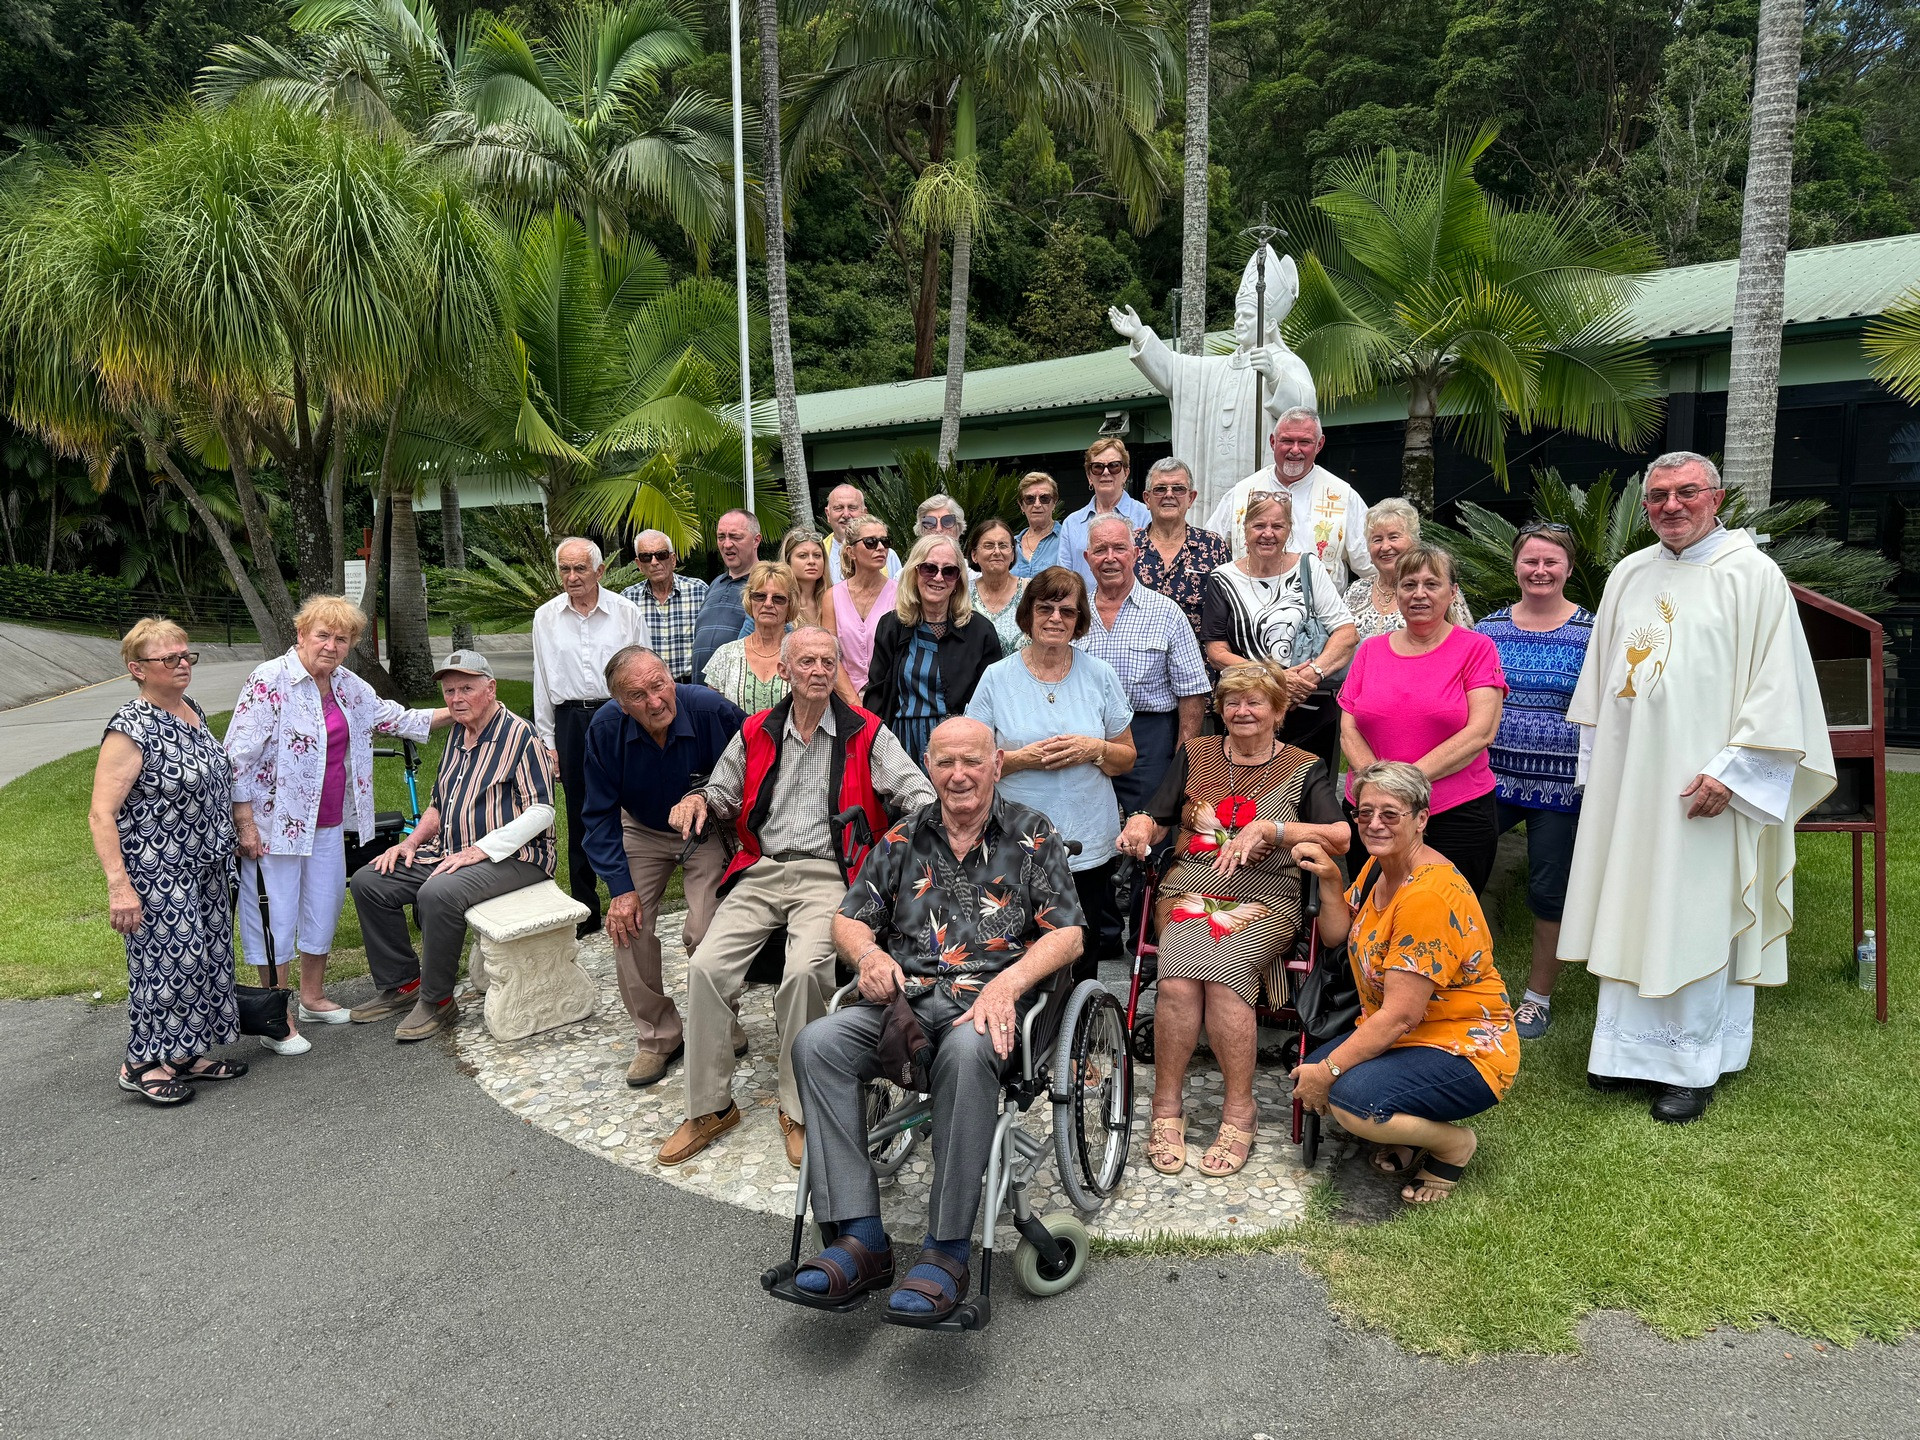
column 850, row 784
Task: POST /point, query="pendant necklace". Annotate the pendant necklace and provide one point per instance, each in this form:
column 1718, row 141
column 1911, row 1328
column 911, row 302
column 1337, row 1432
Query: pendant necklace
column 1051, row 685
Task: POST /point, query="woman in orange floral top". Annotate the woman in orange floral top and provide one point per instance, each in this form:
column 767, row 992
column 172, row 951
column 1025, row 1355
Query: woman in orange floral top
column 1436, row 1042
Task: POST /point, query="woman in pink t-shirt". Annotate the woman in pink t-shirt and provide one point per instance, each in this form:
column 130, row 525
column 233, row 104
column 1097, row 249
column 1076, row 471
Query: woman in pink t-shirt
column 1430, row 695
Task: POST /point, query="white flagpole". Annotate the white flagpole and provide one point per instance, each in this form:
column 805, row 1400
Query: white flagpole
column 740, row 263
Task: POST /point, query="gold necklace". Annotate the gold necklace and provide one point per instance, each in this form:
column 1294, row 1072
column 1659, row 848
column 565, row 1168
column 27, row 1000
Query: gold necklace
column 772, row 654
column 1026, row 659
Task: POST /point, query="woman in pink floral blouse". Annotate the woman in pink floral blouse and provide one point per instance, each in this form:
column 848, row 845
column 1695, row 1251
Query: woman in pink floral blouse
column 301, row 744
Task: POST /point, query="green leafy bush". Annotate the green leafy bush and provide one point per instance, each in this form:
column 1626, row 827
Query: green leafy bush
column 980, row 490
column 30, row 594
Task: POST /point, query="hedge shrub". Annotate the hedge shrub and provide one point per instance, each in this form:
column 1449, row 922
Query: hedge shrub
column 30, row 594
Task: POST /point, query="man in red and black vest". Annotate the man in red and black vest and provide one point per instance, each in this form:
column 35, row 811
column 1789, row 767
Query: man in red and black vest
column 779, row 782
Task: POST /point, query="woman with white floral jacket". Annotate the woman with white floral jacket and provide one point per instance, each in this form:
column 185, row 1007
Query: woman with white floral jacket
column 301, row 744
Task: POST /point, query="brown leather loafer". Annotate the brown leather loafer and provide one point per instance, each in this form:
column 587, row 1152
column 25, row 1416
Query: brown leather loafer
column 649, row 1066
column 426, row 1018
column 697, row 1132
column 795, row 1136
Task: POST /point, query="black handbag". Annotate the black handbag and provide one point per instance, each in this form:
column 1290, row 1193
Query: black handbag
column 263, row 1008
column 1327, row 1000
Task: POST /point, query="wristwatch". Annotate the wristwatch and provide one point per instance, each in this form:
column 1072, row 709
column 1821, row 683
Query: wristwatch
column 1318, row 673
column 1332, row 1069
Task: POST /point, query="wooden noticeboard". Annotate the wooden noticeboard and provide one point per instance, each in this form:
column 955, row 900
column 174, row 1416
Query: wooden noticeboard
column 1847, row 657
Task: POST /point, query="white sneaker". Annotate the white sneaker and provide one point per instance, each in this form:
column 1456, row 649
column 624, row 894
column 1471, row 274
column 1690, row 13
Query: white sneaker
column 292, row 1045
column 339, row 1015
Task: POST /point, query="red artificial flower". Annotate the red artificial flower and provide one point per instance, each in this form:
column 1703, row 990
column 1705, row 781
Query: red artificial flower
column 1235, row 812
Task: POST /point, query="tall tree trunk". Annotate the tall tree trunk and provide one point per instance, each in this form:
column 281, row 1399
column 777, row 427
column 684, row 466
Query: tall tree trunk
column 337, row 507
column 1193, row 218
column 793, row 455
column 1753, row 381
column 926, row 305
column 307, row 497
column 409, row 653
column 6, row 527
column 1416, row 453
column 272, row 638
column 956, row 343
column 266, row 560
column 453, row 541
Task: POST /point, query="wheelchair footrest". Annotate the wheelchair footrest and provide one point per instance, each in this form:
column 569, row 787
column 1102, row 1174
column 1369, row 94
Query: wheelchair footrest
column 971, row 1314
column 778, row 1282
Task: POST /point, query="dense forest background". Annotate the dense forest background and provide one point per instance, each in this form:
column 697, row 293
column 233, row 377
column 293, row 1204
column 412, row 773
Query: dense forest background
column 1639, row 103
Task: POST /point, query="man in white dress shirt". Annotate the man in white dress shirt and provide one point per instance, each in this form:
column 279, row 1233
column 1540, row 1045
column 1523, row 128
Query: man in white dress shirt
column 846, row 504
column 574, row 635
column 1703, row 743
column 1329, row 517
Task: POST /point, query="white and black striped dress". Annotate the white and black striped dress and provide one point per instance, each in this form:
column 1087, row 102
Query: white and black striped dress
column 1234, row 930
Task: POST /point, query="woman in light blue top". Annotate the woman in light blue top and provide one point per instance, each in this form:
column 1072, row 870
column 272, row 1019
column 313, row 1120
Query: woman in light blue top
column 1037, row 546
column 1063, row 720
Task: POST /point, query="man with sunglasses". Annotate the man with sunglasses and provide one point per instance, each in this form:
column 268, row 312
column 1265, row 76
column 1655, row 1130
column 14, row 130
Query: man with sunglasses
column 670, row 601
column 575, row 634
column 1329, row 517
column 846, row 504
column 1702, row 744
column 1108, row 468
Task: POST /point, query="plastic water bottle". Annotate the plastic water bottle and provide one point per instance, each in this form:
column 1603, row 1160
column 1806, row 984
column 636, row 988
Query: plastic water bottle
column 1866, row 960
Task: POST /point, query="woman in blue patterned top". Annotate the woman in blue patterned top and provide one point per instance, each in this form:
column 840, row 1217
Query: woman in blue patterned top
column 1542, row 638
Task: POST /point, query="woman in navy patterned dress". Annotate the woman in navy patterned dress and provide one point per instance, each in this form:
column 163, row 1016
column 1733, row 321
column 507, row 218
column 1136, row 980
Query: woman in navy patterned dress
column 162, row 821
column 1542, row 639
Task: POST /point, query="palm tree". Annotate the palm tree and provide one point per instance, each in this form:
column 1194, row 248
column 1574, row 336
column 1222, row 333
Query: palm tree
column 1753, row 379
column 793, row 457
column 1414, row 277
column 582, row 121
column 1193, row 205
column 1096, row 68
column 1893, row 341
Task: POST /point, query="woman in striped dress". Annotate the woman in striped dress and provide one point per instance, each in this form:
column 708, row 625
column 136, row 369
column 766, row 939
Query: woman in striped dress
column 1229, row 908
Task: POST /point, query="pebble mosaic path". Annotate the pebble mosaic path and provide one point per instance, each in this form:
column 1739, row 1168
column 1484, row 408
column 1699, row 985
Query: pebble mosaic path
column 571, row 1082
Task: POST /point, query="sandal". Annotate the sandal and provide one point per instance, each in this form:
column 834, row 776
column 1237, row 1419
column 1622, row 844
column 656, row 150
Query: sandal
column 1167, row 1144
column 167, row 1089
column 942, row 1304
column 870, row 1270
column 1387, row 1160
column 1434, row 1175
column 1228, row 1153
column 215, row 1069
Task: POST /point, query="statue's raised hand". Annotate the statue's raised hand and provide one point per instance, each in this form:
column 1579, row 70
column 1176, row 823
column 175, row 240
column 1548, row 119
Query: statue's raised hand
column 1261, row 358
column 1123, row 319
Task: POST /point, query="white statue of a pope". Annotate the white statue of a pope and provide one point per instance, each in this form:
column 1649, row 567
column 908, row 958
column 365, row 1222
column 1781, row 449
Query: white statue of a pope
column 1215, row 429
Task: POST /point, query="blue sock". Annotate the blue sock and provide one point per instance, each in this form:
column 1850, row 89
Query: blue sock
column 867, row 1229
column 912, row 1304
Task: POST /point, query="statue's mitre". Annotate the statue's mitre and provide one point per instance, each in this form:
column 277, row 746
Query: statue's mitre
column 1283, row 288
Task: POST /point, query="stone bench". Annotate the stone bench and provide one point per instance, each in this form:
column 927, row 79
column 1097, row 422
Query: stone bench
column 523, row 961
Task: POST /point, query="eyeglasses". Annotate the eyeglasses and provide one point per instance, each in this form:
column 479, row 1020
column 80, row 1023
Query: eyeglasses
column 1686, row 495
column 1058, row 612
column 649, row 557
column 1037, row 497
column 939, row 520
column 1367, row 814
column 930, row 571
column 768, row 597
column 173, row 661
column 872, row 542
column 1106, row 467
column 1166, row 492
column 1544, row 527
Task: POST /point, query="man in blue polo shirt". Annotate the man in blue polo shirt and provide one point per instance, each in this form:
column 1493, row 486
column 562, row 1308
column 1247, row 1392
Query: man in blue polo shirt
column 644, row 747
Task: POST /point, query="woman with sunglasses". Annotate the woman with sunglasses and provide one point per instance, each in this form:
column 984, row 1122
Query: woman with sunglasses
column 1393, row 528
column 1435, row 1042
column 930, row 653
column 162, row 822
column 1037, row 546
column 1542, row 639
column 747, row 670
column 863, row 599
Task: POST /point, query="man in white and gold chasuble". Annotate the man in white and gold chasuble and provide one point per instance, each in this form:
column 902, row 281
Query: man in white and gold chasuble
column 1704, row 744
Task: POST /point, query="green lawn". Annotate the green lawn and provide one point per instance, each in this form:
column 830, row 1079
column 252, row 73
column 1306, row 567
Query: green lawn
column 58, row 941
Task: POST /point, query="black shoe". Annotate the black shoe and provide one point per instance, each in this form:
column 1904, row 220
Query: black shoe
column 586, row 928
column 1611, row 1082
column 1677, row 1104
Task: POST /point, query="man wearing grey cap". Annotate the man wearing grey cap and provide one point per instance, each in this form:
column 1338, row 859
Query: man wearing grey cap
column 488, row 830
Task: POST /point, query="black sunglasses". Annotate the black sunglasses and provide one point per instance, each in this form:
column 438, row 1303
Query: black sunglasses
column 930, row 571
column 872, row 542
column 648, row 557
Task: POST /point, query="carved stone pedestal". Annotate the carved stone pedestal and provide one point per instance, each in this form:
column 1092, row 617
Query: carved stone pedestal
column 523, row 960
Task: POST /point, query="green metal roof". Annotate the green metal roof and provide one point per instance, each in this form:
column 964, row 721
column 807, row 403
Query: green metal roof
column 1832, row 283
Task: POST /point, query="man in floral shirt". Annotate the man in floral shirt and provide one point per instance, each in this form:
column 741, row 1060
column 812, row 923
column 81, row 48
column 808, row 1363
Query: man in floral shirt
column 968, row 905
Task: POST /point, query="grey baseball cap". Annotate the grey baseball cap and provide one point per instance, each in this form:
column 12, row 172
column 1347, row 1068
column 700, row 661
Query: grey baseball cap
column 464, row 662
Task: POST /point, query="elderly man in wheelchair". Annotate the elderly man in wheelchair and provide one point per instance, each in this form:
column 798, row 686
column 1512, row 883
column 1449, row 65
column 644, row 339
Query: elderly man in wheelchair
column 961, row 926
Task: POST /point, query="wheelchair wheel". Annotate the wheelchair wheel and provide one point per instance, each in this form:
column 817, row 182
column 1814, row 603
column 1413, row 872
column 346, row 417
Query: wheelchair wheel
column 1072, row 1238
column 1143, row 1039
column 890, row 1154
column 1093, row 1125
column 1309, row 1138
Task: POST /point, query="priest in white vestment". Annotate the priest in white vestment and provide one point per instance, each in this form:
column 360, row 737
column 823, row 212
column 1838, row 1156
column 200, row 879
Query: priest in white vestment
column 1210, row 397
column 1329, row 517
column 1704, row 744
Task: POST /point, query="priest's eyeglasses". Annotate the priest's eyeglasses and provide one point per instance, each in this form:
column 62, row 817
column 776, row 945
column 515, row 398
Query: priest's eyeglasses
column 1686, row 495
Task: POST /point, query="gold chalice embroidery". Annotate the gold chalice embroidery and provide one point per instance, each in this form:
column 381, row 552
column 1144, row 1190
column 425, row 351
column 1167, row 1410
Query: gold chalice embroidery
column 1644, row 642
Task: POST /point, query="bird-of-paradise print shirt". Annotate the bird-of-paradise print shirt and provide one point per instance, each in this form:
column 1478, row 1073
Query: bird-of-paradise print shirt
column 1433, row 927
column 277, row 741
column 957, row 923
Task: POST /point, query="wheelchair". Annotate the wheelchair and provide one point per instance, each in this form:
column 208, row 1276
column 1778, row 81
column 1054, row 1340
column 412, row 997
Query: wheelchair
column 1073, row 1053
column 1147, row 880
